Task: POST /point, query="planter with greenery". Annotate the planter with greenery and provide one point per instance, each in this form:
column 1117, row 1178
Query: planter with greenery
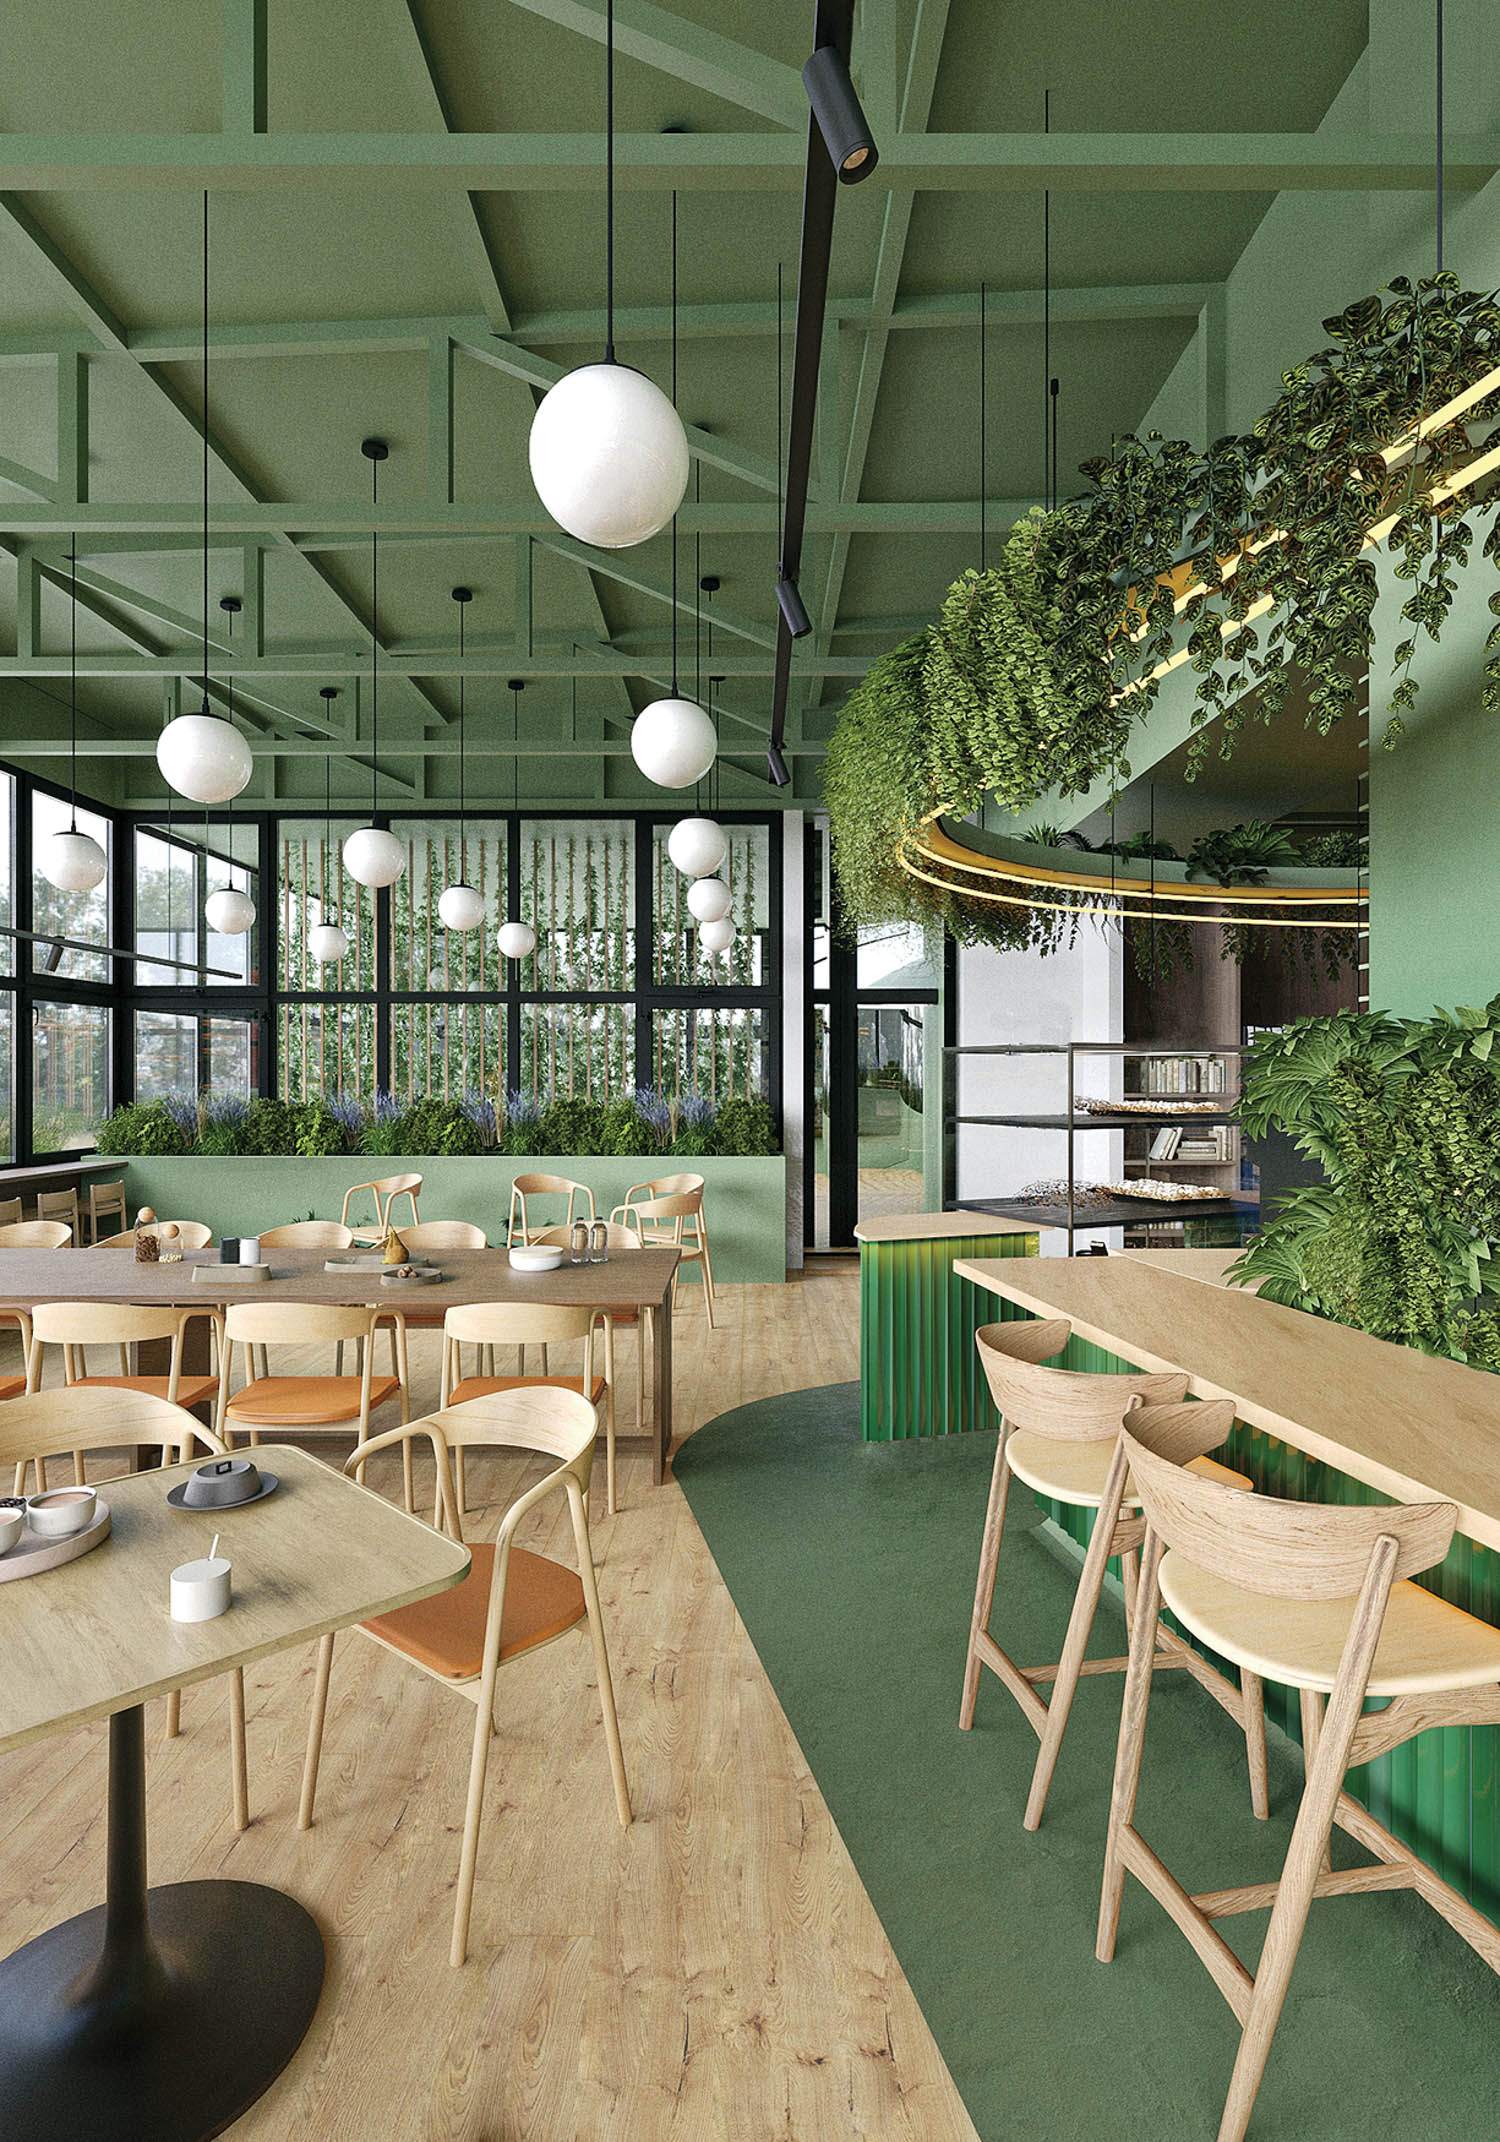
column 1252, row 558
column 1403, row 1116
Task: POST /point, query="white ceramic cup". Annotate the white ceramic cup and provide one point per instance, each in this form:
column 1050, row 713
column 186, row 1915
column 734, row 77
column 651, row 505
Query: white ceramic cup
column 11, row 1525
column 249, row 1249
column 200, row 1590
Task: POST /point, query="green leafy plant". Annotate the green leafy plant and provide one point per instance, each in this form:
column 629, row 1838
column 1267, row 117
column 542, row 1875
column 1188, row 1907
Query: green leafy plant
column 318, row 1129
column 1403, row 1116
column 146, row 1127
column 270, row 1126
column 745, row 1126
column 1241, row 855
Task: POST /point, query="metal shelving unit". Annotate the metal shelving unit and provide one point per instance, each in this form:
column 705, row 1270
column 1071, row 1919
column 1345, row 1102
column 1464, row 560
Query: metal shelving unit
column 1121, row 1212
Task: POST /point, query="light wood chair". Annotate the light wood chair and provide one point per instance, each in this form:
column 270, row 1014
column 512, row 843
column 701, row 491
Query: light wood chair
column 36, row 1234
column 192, row 1234
column 1319, row 1599
column 10, row 1211
column 440, row 1235
column 664, row 1221
column 15, row 1386
column 75, row 1326
column 308, row 1234
column 42, row 1423
column 511, row 1602
column 296, row 1406
column 1059, row 1433
column 522, row 1225
column 386, row 1189
column 619, row 1239
column 487, row 1325
column 106, row 1202
column 61, row 1205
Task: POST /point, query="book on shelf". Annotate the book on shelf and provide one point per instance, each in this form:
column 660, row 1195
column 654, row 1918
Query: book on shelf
column 1165, row 1144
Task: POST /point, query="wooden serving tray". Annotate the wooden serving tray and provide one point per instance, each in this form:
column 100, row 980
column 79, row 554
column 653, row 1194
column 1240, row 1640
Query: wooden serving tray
column 417, row 1279
column 233, row 1275
column 31, row 1555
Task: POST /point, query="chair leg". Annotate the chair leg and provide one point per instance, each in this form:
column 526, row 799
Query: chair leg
column 708, row 1272
column 338, row 1358
column 1080, row 1623
column 460, row 1483
column 484, row 1725
column 239, row 1779
column 1131, row 1744
column 174, row 1714
column 315, row 1733
column 1253, row 1697
column 601, row 1657
column 984, row 1589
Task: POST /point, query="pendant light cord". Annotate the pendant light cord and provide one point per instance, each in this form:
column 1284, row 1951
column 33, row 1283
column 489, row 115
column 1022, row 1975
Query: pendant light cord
column 205, row 449
column 609, row 182
column 983, row 459
column 1046, row 303
column 461, row 791
column 515, row 757
column 73, row 682
column 674, row 405
column 374, row 639
column 1439, row 99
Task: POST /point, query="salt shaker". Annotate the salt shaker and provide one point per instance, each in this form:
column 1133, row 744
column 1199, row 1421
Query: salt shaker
column 578, row 1251
column 598, row 1243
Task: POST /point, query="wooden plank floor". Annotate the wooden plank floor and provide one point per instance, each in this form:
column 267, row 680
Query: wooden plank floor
column 715, row 1971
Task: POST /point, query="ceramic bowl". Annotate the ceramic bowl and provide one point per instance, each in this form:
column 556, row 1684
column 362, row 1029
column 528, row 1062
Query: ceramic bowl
column 12, row 1524
column 61, row 1512
column 537, row 1257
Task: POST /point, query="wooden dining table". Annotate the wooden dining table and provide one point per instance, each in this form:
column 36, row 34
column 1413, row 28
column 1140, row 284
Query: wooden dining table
column 631, row 1283
column 162, row 2014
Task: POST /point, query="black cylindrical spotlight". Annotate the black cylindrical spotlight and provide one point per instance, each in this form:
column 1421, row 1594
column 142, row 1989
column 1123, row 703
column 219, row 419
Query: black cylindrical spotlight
column 793, row 609
column 845, row 129
column 776, row 766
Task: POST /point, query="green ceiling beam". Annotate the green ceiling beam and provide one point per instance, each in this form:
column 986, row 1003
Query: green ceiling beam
column 242, row 95
column 327, row 663
column 555, row 163
column 441, row 747
column 697, row 57
column 40, row 489
column 615, row 565
column 341, row 523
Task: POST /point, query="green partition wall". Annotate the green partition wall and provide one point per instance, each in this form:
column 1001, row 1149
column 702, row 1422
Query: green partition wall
column 919, row 1372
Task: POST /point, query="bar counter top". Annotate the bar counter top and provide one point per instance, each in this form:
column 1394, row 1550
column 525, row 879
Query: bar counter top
column 1413, row 1426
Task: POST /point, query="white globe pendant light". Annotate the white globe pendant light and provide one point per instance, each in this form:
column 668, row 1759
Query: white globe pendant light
column 609, row 456
column 717, row 937
column 204, row 757
column 709, row 899
column 517, row 940
column 697, row 846
column 461, row 908
column 73, row 862
column 673, row 742
column 374, row 857
column 229, row 912
column 327, row 943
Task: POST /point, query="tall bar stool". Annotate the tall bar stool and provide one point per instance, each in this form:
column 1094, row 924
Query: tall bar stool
column 1317, row 1598
column 106, row 1203
column 1059, row 1432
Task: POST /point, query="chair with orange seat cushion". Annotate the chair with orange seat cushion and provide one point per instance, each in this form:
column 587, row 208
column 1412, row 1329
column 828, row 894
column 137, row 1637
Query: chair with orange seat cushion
column 491, row 1324
column 76, row 1326
column 296, row 1406
column 511, row 1602
column 13, row 1386
column 436, row 1235
column 619, row 1237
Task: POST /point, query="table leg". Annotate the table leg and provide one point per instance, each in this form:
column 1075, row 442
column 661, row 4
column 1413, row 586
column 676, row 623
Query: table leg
column 162, row 2012
column 661, row 1389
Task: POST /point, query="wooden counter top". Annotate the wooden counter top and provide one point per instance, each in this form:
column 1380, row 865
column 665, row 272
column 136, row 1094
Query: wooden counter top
column 936, row 1226
column 1416, row 1427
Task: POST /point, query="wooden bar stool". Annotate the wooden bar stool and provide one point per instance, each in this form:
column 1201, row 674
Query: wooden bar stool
column 1317, row 1598
column 61, row 1206
column 106, row 1203
column 1059, row 1431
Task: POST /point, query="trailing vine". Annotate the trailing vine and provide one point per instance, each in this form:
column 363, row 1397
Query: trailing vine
column 1255, row 557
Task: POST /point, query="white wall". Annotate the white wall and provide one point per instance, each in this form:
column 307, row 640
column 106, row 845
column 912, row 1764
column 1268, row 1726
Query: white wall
column 1071, row 995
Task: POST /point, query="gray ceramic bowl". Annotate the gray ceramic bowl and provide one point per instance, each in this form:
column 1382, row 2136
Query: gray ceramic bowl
column 220, row 1484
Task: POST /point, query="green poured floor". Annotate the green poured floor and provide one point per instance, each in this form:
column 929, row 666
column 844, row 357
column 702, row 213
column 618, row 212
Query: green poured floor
column 852, row 1566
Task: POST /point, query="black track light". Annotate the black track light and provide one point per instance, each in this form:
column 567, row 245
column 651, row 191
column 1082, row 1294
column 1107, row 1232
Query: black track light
column 793, row 608
column 776, row 766
column 844, row 127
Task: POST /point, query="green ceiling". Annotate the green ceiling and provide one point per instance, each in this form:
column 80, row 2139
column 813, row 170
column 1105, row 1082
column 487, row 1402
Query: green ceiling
column 350, row 288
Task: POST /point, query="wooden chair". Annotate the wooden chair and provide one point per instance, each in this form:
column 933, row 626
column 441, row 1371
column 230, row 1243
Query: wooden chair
column 663, row 1221
column 296, row 1406
column 386, row 1190
column 308, row 1234
column 441, row 1235
column 61, row 1205
column 618, row 1239
column 36, row 1234
column 75, row 1326
column 191, row 1234
column 1319, row 1599
column 106, row 1202
column 522, row 1226
column 511, row 1602
column 1059, row 1432
column 42, row 1423
column 10, row 1211
column 491, row 1324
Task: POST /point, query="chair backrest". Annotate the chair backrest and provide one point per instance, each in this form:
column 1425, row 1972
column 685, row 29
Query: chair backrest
column 10, row 1211
column 36, row 1234
column 516, row 1323
column 58, row 1205
column 686, row 1205
column 665, row 1186
column 105, row 1198
column 560, row 1424
column 1282, row 1550
column 385, row 1189
column 191, row 1234
column 104, row 1323
column 70, row 1419
column 617, row 1237
column 526, row 1186
column 444, row 1234
column 298, row 1323
column 1071, row 1405
column 308, row 1234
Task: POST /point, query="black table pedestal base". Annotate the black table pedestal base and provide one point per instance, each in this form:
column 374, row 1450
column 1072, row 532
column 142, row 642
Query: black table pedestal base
column 163, row 2014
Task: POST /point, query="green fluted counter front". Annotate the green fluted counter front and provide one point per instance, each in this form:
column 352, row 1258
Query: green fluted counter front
column 919, row 1372
column 1415, row 1428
